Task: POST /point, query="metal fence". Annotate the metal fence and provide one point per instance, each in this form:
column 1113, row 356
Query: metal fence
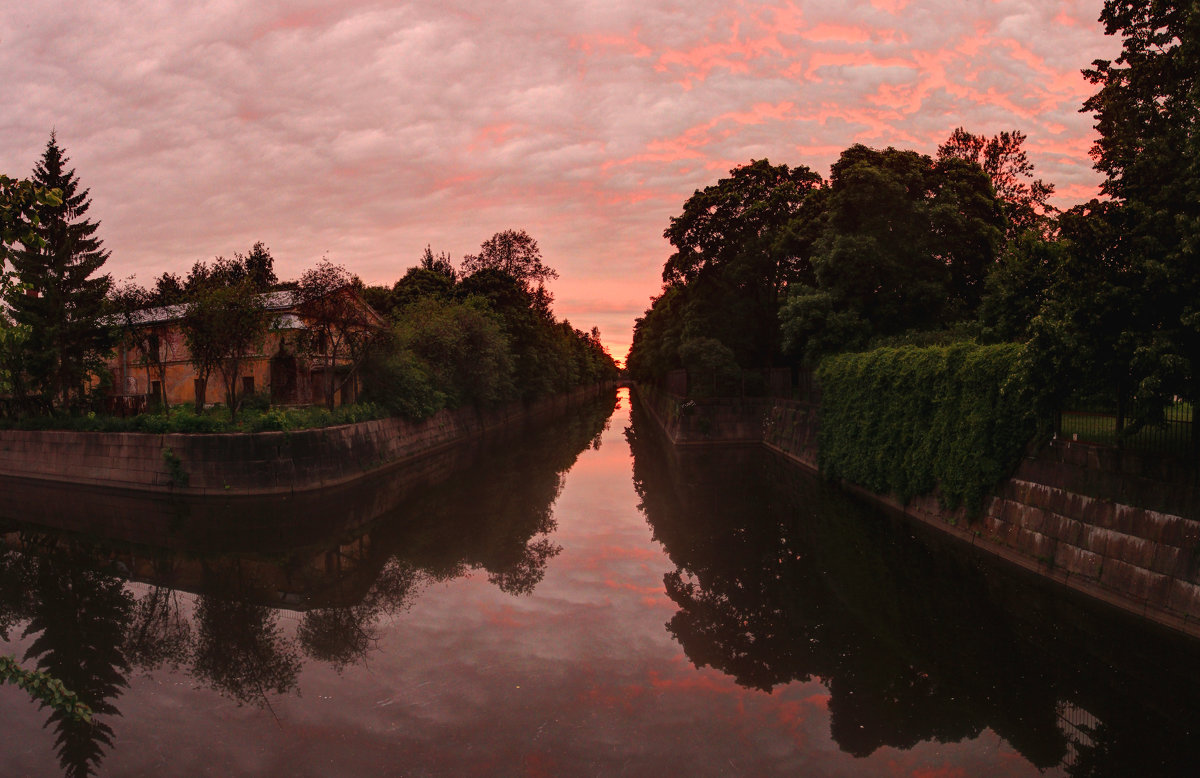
column 1173, row 436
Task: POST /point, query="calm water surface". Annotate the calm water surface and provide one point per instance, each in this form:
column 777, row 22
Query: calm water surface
column 578, row 601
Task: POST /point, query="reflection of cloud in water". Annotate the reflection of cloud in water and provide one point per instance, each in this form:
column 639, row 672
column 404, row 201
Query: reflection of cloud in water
column 69, row 598
column 780, row 578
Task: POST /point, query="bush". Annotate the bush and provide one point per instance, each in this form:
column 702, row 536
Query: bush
column 908, row 420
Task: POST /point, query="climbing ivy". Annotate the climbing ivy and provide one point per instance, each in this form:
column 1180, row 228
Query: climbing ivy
column 909, row 420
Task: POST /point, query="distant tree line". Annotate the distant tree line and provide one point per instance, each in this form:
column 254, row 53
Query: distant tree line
column 776, row 266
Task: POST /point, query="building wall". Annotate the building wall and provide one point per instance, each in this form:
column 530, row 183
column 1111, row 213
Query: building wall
column 131, row 377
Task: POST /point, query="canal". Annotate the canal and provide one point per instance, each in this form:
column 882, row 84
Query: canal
column 576, row 600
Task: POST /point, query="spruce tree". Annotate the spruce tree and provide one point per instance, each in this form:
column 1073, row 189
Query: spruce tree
column 63, row 297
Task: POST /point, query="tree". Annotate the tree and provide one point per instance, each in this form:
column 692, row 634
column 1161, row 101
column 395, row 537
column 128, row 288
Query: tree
column 513, row 252
column 340, row 328
column 738, row 245
column 256, row 269
column 1148, row 114
column 63, row 299
column 148, row 338
column 906, row 243
column 440, row 264
column 1025, row 202
column 222, row 326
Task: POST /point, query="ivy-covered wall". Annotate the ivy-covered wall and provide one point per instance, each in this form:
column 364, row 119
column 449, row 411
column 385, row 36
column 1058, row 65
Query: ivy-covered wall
column 907, row 420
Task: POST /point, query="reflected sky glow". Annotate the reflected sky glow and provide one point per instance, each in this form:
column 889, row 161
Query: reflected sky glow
column 579, row 677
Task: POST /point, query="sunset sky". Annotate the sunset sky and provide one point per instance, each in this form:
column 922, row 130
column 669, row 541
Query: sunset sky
column 363, row 131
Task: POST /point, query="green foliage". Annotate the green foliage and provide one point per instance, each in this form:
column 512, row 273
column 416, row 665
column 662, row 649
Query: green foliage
column 45, row 689
column 710, row 363
column 184, row 419
column 179, row 476
column 62, row 294
column 223, row 326
column 463, row 349
column 738, row 244
column 905, row 421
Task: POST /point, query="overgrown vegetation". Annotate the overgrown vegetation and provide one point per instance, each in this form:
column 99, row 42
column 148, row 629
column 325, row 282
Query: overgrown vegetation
column 184, row 419
column 909, row 420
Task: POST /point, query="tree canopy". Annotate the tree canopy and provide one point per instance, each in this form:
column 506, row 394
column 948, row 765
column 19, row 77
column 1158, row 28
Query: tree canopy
column 513, row 252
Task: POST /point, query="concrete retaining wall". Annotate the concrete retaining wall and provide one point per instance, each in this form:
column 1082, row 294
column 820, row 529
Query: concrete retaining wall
column 258, row 463
column 1119, row 527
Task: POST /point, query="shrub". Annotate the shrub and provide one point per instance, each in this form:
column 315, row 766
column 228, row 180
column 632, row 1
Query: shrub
column 908, row 420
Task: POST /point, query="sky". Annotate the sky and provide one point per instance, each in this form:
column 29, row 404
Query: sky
column 363, row 131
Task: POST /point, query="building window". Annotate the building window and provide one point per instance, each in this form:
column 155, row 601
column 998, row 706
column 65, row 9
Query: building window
column 156, row 390
column 248, row 384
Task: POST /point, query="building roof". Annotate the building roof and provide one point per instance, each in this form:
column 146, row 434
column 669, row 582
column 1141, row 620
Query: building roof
column 273, row 301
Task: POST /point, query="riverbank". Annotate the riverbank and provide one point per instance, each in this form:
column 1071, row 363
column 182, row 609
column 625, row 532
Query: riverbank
column 263, row 463
column 1114, row 526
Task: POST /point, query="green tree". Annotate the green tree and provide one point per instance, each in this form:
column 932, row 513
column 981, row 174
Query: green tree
column 223, row 326
column 906, row 243
column 63, row 298
column 1025, row 200
column 738, row 245
column 513, row 252
column 1147, row 114
column 340, row 328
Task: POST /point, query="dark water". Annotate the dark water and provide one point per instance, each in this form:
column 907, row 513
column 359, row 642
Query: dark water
column 574, row 601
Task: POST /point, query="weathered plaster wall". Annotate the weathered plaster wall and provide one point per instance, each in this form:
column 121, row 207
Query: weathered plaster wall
column 260, row 463
column 1116, row 526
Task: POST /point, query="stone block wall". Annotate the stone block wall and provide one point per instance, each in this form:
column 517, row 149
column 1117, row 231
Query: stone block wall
column 1117, row 526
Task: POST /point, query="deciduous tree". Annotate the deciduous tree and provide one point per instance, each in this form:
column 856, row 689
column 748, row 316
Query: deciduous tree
column 513, row 252
column 223, row 326
column 340, row 328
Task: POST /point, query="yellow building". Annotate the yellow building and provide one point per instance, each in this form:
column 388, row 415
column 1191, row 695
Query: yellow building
column 155, row 363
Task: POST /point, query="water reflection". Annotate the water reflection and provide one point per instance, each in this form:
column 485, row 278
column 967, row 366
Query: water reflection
column 91, row 610
column 780, row 578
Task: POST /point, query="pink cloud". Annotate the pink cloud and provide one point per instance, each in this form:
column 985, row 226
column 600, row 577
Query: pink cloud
column 366, row 131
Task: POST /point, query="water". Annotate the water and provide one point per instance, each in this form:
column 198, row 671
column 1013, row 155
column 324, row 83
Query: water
column 578, row 600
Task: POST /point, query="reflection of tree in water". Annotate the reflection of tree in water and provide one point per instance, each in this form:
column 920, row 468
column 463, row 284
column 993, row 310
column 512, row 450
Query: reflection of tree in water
column 241, row 650
column 344, row 635
column 780, row 578
column 160, row 632
column 495, row 516
column 77, row 615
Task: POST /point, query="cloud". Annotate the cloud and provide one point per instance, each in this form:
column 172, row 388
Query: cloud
column 365, row 130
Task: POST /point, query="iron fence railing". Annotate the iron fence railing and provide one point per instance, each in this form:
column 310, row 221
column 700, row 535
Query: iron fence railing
column 1174, row 435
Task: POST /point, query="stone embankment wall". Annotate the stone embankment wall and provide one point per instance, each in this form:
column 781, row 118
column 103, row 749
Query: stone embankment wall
column 258, row 463
column 1116, row 526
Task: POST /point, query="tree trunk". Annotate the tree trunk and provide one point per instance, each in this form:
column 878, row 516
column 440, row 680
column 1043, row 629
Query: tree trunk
column 201, row 390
